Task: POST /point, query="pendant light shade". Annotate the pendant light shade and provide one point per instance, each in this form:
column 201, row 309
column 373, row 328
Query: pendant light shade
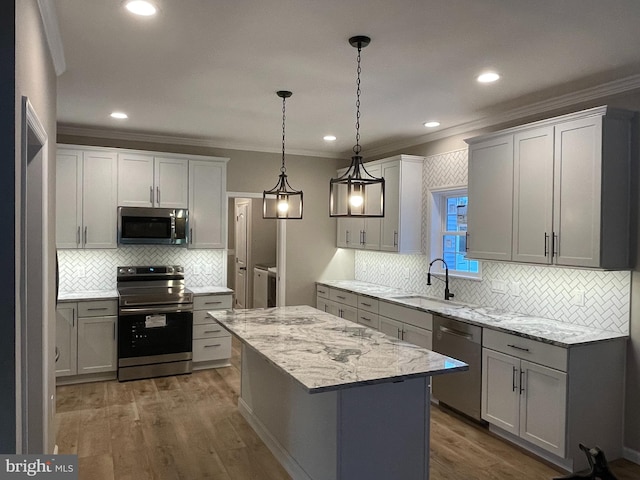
column 282, row 201
column 357, row 193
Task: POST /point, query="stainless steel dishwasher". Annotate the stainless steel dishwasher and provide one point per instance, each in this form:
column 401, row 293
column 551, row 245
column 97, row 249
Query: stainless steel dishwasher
column 462, row 341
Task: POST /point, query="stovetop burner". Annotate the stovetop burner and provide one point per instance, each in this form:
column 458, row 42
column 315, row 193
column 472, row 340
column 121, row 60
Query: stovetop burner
column 152, row 285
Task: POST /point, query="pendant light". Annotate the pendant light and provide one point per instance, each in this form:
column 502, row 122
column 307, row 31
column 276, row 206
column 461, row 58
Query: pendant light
column 282, row 201
column 357, row 193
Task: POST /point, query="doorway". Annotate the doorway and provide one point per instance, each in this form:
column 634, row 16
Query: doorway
column 253, row 243
column 36, row 407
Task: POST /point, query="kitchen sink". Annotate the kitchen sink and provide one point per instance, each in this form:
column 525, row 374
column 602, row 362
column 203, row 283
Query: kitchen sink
column 424, row 301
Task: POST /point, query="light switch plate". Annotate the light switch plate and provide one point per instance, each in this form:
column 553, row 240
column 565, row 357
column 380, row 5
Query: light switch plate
column 577, row 298
column 80, row 273
column 498, row 286
column 515, row 289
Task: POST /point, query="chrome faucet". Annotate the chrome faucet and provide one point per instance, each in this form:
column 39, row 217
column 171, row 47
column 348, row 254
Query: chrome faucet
column 447, row 294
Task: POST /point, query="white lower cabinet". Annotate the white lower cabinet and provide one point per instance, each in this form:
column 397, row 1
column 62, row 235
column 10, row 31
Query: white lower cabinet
column 337, row 302
column 408, row 333
column 211, row 341
column 86, row 334
column 525, row 399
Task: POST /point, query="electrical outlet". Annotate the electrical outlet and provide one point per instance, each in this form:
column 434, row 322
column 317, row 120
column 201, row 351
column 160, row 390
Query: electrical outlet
column 498, row 286
column 515, row 289
column 208, row 269
column 577, row 298
column 80, row 273
column 196, row 269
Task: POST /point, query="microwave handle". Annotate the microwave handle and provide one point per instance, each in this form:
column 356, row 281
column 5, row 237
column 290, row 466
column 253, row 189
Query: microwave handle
column 173, row 229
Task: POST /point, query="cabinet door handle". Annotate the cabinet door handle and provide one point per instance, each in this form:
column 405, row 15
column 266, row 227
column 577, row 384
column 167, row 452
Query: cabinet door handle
column 523, row 349
column 395, row 238
column 346, row 237
column 151, row 194
column 214, row 345
column 85, row 235
column 554, row 245
column 78, row 236
column 399, row 335
column 191, row 236
column 466, row 243
column 114, row 331
column 521, row 381
column 57, row 354
column 364, row 237
column 546, row 244
column 73, row 318
column 158, row 195
column 513, row 379
column 402, row 334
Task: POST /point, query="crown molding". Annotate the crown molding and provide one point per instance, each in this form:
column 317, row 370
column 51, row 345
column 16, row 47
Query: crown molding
column 615, row 87
column 52, row 32
column 63, row 129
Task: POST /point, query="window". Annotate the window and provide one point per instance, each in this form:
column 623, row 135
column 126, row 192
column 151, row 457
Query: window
column 448, row 233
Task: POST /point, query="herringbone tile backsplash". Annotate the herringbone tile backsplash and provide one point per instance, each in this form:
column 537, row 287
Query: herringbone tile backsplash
column 543, row 290
column 82, row 270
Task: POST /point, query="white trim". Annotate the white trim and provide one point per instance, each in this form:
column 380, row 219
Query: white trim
column 190, row 141
column 614, row 87
column 631, row 455
column 155, row 153
column 281, row 263
column 287, row 461
column 52, row 32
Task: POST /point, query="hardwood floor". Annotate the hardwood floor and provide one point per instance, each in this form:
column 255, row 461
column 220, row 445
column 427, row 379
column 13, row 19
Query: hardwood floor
column 188, row 427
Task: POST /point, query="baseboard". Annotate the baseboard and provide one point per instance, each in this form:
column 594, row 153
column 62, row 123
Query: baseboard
column 287, row 461
column 86, row 378
column 631, row 455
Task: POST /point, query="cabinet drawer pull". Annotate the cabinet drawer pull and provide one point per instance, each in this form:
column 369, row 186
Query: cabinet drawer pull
column 217, row 302
column 341, row 297
column 521, row 382
column 365, row 304
column 214, row 345
column 513, row 379
column 366, row 319
column 522, row 349
column 212, row 331
column 95, row 309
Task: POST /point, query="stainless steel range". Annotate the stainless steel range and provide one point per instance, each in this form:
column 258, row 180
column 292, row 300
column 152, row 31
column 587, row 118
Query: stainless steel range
column 155, row 322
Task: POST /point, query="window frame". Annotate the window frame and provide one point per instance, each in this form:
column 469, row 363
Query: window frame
column 437, row 231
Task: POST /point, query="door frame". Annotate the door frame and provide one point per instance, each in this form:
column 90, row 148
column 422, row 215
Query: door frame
column 247, row 236
column 281, row 249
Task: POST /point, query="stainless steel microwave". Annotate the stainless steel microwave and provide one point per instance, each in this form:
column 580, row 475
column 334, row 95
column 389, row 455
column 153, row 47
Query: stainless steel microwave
column 152, row 226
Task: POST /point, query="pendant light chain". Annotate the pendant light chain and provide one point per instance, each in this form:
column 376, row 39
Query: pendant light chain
column 357, row 146
column 283, row 169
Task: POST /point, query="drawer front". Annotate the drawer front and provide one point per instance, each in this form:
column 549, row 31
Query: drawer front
column 417, row 318
column 341, row 296
column 205, row 350
column 368, row 319
column 98, row 308
column 212, row 302
column 209, row 330
column 531, row 350
column 322, row 291
column 368, row 304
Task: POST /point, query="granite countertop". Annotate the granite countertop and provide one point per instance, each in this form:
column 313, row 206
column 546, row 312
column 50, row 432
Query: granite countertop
column 87, row 295
column 537, row 328
column 323, row 352
column 209, row 290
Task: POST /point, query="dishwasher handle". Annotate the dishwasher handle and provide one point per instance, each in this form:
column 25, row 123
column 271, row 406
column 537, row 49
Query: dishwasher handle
column 451, row 331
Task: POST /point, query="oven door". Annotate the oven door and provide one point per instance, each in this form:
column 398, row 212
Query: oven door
column 144, row 333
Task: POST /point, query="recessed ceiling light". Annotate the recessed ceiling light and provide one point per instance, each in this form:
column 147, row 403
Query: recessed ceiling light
column 141, row 7
column 119, row 115
column 431, row 124
column 488, row 77
column 329, row 138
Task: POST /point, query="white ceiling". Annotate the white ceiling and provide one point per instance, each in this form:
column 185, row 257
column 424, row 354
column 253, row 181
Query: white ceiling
column 208, row 70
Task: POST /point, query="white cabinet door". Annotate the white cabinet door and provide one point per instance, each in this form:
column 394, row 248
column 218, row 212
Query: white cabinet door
column 577, row 196
column 97, row 344
column 66, row 340
column 500, row 390
column 171, row 180
column 99, row 199
column 68, row 198
column 207, row 204
column 348, row 313
column 390, row 327
column 390, row 223
column 417, row 336
column 543, row 407
column 533, row 195
column 135, row 180
column 372, row 226
column 490, row 199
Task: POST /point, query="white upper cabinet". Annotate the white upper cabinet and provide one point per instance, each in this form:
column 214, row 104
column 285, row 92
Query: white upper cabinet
column 570, row 190
column 489, row 213
column 400, row 230
column 152, row 181
column 86, row 193
column 207, row 203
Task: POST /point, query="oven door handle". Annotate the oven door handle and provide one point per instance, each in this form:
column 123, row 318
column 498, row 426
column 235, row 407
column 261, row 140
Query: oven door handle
column 153, row 310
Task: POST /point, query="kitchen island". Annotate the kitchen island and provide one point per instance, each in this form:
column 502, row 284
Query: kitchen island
column 334, row 400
